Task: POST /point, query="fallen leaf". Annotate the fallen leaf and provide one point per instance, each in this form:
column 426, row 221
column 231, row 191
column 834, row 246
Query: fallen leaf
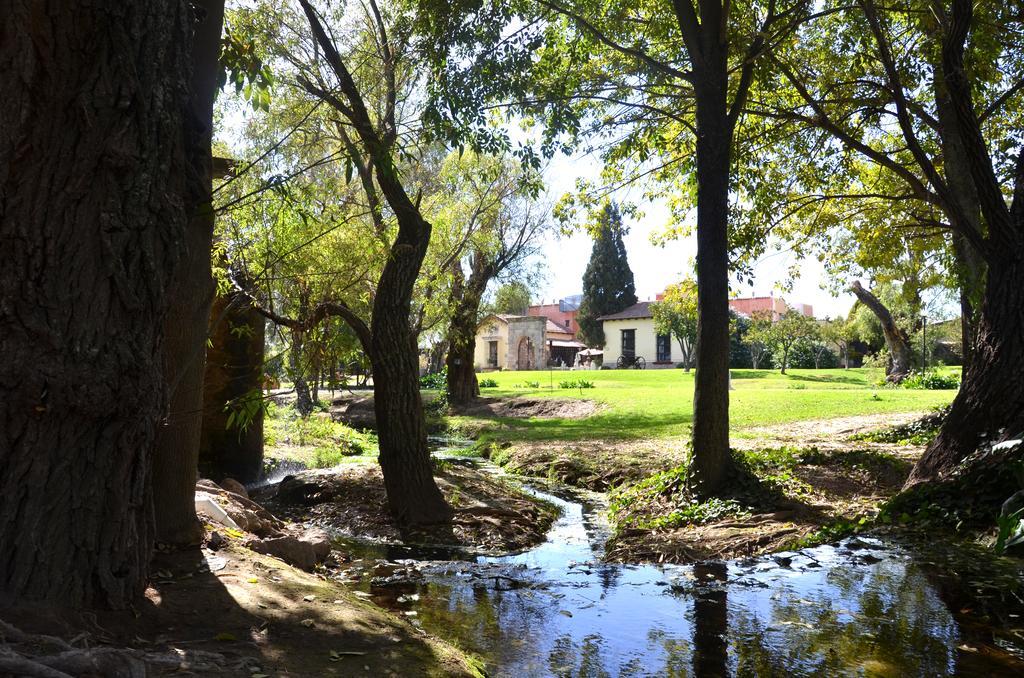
column 309, row 599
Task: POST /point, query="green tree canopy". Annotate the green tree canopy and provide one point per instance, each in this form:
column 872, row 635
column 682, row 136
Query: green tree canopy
column 608, row 285
column 512, row 298
column 676, row 315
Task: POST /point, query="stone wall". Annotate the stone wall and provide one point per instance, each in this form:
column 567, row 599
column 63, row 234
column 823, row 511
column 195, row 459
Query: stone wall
column 526, row 344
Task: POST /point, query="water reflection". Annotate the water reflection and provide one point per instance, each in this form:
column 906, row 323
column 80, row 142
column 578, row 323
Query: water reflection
column 864, row 608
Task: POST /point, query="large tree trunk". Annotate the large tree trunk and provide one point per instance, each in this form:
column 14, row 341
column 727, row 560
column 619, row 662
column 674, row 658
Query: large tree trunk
column 711, row 460
column 895, row 338
column 92, row 215
column 466, row 295
column 234, row 374
column 462, row 382
column 990, row 402
column 971, row 274
column 297, row 367
column 185, row 331
column 991, row 399
column 969, row 264
column 413, row 496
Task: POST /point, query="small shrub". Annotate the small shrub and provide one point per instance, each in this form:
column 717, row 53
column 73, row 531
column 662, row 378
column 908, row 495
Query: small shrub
column 531, row 384
column 327, row 456
column 576, row 383
column 438, row 380
column 1011, row 531
column 931, row 380
column 487, row 382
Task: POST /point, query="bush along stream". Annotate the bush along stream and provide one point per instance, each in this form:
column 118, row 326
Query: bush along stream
column 878, row 605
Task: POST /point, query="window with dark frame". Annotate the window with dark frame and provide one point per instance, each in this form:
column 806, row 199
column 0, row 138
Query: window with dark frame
column 664, row 343
column 492, row 353
column 629, row 344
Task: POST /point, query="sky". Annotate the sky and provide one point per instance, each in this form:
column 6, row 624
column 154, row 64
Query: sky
column 654, row 266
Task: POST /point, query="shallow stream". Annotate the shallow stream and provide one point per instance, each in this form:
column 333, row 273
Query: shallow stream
column 868, row 607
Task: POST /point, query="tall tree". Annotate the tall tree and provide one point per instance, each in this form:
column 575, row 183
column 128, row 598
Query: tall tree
column 366, row 99
column 896, row 339
column 608, row 285
column 618, row 65
column 676, row 316
column 512, row 298
column 93, row 209
column 185, row 331
column 930, row 93
column 501, row 230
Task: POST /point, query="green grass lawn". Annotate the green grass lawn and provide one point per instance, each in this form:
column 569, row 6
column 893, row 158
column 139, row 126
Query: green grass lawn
column 659, row 403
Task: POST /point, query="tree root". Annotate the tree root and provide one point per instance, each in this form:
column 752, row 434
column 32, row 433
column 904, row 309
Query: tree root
column 24, row 654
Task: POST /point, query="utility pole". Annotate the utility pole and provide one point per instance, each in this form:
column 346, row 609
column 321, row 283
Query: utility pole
column 924, row 340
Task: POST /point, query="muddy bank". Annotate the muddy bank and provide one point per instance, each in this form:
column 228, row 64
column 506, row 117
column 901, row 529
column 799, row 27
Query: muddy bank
column 596, row 465
column 356, row 410
column 492, row 515
column 789, row 493
column 529, row 408
column 777, row 499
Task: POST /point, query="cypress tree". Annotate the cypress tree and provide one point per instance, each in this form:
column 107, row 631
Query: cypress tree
column 608, row 285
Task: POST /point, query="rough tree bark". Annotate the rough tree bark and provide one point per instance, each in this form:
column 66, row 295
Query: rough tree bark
column 706, row 36
column 413, row 496
column 969, row 264
column 462, row 383
column 990, row 401
column 92, row 215
column 234, row 372
column 895, row 338
column 185, row 330
column 711, row 458
column 298, row 367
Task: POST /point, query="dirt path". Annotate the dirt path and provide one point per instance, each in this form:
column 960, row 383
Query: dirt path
column 819, row 432
column 827, row 434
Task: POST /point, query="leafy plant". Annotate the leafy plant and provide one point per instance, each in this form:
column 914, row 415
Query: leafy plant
column 437, row 380
column 931, row 380
column 576, row 383
column 244, row 410
column 487, row 382
column 918, row 432
column 1011, row 531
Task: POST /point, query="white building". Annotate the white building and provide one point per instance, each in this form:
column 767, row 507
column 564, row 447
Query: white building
column 630, row 334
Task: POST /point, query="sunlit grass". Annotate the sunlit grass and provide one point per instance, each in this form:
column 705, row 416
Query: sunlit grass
column 659, row 403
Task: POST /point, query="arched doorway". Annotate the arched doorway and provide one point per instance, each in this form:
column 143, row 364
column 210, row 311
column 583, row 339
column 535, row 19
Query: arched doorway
column 525, row 354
